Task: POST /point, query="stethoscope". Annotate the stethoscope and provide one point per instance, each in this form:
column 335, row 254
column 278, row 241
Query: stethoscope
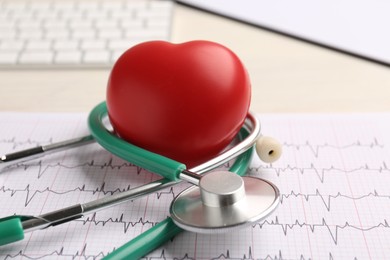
column 218, row 201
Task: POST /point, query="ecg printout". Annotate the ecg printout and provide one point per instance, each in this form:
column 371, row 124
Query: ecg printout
column 334, row 179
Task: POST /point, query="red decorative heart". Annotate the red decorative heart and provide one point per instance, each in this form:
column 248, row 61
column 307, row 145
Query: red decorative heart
column 185, row 101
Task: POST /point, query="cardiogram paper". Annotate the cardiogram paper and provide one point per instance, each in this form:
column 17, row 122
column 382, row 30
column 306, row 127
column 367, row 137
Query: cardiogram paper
column 333, row 176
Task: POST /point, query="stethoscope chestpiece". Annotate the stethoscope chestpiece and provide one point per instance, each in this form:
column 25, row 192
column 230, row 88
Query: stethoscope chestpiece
column 224, row 201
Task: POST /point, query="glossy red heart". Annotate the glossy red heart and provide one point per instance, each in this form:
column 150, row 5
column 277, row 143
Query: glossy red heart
column 185, row 101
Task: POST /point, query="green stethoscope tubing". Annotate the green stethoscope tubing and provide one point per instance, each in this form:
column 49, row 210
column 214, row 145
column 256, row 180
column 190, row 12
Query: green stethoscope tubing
column 169, row 169
column 153, row 162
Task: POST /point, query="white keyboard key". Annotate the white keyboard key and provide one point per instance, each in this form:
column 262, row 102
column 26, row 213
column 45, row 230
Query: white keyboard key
column 72, row 14
column 106, row 24
column 21, row 14
column 94, row 14
column 38, row 45
column 77, row 24
column 53, row 34
column 97, row 57
column 123, row 14
column 31, row 34
column 7, row 25
column 93, row 44
column 131, row 23
column 11, row 45
column 29, row 25
column 109, row 34
column 54, row 24
column 39, row 57
column 66, row 45
column 83, row 34
column 8, row 34
column 150, row 13
column 8, row 57
column 46, row 14
column 67, row 57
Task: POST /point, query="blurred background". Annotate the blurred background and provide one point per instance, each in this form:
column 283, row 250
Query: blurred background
column 45, row 65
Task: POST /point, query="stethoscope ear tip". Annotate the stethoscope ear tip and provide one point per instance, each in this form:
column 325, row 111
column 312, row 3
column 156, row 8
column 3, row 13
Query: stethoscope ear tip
column 268, row 149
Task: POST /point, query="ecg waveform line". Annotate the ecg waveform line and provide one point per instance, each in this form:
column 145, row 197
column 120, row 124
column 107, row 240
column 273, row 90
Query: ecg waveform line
column 319, row 171
column 32, row 193
column 249, row 255
column 15, row 143
column 275, row 223
column 326, row 199
column 227, row 255
column 313, row 227
column 315, row 148
column 82, row 254
column 79, row 254
column 43, row 167
column 126, row 224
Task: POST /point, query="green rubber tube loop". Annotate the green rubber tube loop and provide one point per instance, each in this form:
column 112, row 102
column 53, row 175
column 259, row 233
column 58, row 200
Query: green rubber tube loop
column 166, row 229
column 11, row 230
column 152, row 162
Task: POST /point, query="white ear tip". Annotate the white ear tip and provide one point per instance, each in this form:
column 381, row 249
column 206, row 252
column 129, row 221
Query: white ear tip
column 268, row 149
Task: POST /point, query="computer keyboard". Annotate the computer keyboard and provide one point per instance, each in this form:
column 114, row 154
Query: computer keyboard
column 77, row 34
